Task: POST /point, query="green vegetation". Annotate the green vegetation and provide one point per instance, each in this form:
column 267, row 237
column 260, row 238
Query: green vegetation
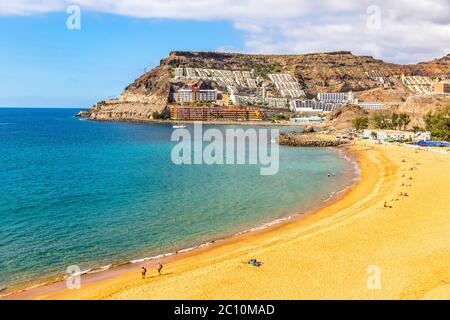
column 360, row 123
column 390, row 120
column 417, row 129
column 264, row 70
column 310, row 96
column 438, row 123
column 281, row 116
column 202, row 103
column 380, row 120
column 163, row 115
column 403, row 120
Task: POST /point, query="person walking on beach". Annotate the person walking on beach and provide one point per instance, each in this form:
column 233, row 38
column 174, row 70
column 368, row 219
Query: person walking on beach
column 159, row 268
column 144, row 271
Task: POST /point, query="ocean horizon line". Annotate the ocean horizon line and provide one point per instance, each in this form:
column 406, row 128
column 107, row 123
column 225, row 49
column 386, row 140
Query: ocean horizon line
column 42, row 107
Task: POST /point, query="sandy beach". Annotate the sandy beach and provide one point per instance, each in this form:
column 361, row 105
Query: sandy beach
column 329, row 254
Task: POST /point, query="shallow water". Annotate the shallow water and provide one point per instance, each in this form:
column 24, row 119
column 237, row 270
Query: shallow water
column 94, row 193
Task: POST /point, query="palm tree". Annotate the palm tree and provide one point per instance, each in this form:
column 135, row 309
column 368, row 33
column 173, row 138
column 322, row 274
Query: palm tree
column 403, row 120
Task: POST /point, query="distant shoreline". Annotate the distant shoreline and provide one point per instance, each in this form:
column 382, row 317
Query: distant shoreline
column 244, row 123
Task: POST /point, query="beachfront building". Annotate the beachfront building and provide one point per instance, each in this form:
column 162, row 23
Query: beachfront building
column 243, row 98
column 207, row 95
column 336, row 97
column 369, row 134
column 422, row 136
column 277, row 103
column 313, row 119
column 394, row 135
column 196, row 113
column 195, row 94
column 376, row 105
column 311, row 106
column 183, row 96
column 371, row 105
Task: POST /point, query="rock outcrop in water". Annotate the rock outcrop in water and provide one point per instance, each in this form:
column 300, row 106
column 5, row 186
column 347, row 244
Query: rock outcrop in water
column 83, row 114
column 317, row 72
column 309, row 140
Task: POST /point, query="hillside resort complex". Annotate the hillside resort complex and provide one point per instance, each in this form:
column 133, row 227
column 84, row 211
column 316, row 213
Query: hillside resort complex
column 242, row 95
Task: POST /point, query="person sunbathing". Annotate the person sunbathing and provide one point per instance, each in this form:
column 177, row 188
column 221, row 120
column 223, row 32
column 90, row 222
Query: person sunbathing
column 255, row 263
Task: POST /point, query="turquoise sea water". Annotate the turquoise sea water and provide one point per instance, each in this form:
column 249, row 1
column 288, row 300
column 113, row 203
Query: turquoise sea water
column 87, row 193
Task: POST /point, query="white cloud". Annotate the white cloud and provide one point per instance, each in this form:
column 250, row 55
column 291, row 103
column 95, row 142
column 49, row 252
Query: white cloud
column 410, row 31
column 28, row 7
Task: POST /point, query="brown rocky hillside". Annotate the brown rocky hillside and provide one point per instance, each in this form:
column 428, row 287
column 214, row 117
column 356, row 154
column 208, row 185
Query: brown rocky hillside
column 341, row 119
column 418, row 106
column 319, row 72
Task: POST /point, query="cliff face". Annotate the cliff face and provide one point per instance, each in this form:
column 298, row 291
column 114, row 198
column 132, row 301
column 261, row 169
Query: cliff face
column 321, row 72
column 341, row 119
column 139, row 100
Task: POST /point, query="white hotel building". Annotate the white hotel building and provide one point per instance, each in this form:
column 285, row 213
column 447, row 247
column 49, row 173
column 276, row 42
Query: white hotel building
column 312, row 106
column 376, row 105
column 371, row 105
column 336, row 97
column 183, row 96
column 191, row 95
column 207, row 95
column 277, row 103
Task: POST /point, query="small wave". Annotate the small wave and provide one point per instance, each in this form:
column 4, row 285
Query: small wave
column 164, row 255
column 100, row 269
column 77, row 274
column 266, row 225
column 352, row 161
column 329, row 197
column 42, row 284
column 39, row 285
column 154, row 257
column 6, row 123
column 203, row 245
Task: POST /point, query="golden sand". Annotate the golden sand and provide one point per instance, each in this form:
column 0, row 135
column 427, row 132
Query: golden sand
column 329, row 254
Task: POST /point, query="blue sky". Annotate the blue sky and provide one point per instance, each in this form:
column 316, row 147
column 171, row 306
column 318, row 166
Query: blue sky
column 42, row 63
column 45, row 64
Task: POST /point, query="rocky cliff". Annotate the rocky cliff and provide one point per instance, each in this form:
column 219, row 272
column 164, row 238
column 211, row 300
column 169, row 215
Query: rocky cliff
column 341, row 119
column 319, row 72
